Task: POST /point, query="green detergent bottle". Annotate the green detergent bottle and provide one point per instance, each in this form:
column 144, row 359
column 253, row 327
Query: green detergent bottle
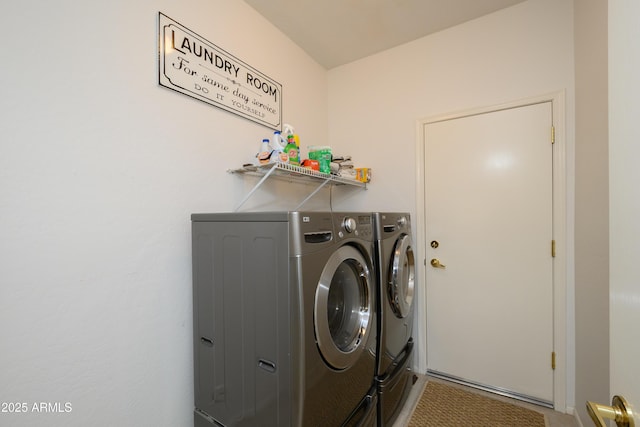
column 292, row 150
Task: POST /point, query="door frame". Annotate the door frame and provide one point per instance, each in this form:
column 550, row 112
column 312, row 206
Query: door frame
column 560, row 232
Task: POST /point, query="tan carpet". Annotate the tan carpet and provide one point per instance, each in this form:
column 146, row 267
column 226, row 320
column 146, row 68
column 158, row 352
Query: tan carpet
column 442, row 405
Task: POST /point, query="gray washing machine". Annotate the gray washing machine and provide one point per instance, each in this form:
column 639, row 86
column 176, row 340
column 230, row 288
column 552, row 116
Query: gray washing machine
column 284, row 319
column 396, row 277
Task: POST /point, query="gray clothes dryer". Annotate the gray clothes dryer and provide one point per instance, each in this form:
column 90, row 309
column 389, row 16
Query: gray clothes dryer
column 284, row 319
column 396, row 277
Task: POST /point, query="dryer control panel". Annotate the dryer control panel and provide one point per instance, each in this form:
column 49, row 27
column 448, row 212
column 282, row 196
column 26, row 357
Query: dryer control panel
column 349, row 224
column 360, row 225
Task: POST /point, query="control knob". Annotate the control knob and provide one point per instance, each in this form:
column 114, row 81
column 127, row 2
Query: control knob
column 349, row 224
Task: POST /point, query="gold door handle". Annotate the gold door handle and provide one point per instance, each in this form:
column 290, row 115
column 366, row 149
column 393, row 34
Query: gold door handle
column 435, row 262
column 619, row 411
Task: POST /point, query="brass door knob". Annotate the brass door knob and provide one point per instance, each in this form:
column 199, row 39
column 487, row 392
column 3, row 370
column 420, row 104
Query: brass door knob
column 619, row 411
column 435, row 262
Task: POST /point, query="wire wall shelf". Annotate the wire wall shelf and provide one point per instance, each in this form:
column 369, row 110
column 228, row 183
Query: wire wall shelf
column 292, row 173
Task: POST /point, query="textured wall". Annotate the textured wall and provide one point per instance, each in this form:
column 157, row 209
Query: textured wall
column 100, row 169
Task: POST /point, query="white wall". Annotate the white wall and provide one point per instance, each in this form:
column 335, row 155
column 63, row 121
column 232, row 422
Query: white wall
column 592, row 205
column 100, row 169
column 375, row 103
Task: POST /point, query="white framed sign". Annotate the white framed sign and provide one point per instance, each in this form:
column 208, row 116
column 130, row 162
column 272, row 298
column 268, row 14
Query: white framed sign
column 193, row 66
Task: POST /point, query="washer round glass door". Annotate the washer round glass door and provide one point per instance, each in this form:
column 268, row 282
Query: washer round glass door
column 402, row 277
column 343, row 307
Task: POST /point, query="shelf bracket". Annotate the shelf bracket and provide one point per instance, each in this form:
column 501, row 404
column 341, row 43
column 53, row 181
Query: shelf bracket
column 291, row 172
column 312, row 194
column 253, row 190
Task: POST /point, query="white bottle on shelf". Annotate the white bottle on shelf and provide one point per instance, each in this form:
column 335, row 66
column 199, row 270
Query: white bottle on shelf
column 264, row 155
column 278, row 145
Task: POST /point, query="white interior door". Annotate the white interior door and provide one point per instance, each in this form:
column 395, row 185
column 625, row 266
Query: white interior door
column 624, row 204
column 489, row 223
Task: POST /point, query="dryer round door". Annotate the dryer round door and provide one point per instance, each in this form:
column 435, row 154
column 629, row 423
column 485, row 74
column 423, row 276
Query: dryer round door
column 401, row 281
column 343, row 312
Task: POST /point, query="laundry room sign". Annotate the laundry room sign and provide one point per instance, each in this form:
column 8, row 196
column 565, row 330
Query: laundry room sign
column 191, row 65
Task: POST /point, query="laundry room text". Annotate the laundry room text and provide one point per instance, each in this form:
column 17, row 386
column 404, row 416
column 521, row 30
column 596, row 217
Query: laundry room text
column 191, row 65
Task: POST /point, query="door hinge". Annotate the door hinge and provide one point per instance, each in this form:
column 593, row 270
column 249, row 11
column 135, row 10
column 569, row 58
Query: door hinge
column 553, row 360
column 553, row 134
column 553, row 249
